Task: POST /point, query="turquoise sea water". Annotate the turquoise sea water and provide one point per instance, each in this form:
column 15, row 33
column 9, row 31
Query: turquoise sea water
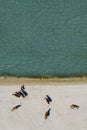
column 43, row 37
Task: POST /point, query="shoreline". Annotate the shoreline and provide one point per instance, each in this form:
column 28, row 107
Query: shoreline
column 8, row 80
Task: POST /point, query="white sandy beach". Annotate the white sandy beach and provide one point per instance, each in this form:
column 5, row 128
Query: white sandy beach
column 30, row 116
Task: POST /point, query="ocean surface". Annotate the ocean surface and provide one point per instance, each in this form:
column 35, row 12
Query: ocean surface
column 43, row 38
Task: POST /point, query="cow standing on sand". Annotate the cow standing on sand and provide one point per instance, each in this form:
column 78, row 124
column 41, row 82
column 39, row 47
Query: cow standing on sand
column 21, row 93
column 16, row 107
column 73, row 106
column 48, row 99
column 47, row 113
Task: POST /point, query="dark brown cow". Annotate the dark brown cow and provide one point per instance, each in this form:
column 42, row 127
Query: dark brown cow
column 47, row 113
column 23, row 91
column 16, row 107
column 48, row 99
column 73, row 106
column 16, row 94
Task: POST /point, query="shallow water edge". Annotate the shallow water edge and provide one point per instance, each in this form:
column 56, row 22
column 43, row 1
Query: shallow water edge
column 44, row 76
column 11, row 80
